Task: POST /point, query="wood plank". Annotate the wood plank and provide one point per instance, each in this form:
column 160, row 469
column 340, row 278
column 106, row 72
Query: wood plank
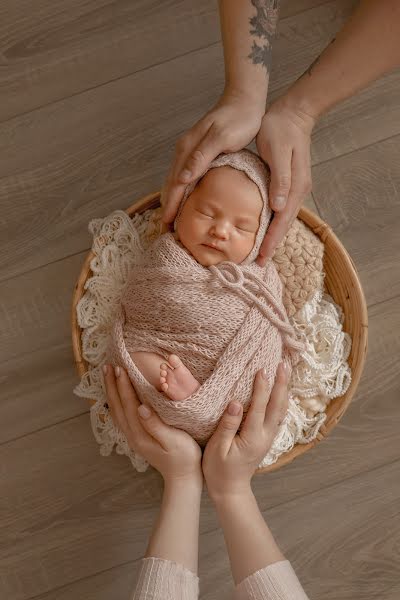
column 343, row 542
column 117, row 583
column 358, row 195
column 37, row 391
column 35, row 309
column 84, row 156
column 64, row 48
column 370, row 116
column 359, row 546
column 36, row 342
column 68, row 513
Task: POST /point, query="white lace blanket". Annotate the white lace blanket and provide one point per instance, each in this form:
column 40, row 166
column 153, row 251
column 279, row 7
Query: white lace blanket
column 321, row 375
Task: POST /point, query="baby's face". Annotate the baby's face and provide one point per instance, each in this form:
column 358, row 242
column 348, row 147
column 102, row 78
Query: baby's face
column 223, row 210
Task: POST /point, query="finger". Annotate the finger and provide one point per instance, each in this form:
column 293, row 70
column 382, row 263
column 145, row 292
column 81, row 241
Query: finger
column 139, row 439
column 280, row 163
column 171, row 196
column 174, row 188
column 160, row 432
column 206, row 150
column 143, row 431
column 254, row 423
column 114, row 402
column 278, row 402
column 301, row 185
column 277, row 229
column 129, row 400
column 227, row 428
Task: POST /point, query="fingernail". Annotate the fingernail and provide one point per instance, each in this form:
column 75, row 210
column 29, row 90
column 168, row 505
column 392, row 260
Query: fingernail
column 117, row 371
column 264, row 373
column 105, row 369
column 186, row 175
column 234, row 409
column 279, row 202
column 144, row 411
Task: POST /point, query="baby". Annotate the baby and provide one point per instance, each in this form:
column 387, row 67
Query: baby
column 218, row 222
column 198, row 316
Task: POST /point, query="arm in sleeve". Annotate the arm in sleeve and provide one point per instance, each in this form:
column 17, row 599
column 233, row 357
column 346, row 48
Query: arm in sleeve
column 161, row 579
column 277, row 581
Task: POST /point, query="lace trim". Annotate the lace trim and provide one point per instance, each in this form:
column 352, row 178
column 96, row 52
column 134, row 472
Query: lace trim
column 321, row 374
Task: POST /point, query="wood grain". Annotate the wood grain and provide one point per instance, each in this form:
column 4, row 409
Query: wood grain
column 94, row 96
column 64, row 48
column 358, row 195
column 97, row 512
column 117, row 142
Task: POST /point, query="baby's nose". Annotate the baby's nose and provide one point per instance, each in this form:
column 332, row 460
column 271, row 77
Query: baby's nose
column 221, row 230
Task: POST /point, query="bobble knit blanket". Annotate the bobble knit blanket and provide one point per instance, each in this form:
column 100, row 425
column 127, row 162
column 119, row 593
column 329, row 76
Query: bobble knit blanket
column 121, row 244
column 225, row 322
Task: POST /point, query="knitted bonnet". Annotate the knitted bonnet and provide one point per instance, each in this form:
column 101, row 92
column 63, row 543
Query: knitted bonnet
column 254, row 167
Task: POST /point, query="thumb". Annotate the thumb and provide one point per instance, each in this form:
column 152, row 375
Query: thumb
column 203, row 154
column 281, row 176
column 228, row 426
column 153, row 424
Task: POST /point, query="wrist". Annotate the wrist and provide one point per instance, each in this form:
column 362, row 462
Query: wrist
column 298, row 99
column 250, row 98
column 191, row 484
column 295, row 109
column 224, row 499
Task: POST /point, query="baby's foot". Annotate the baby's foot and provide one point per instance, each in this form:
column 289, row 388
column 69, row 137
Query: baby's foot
column 176, row 380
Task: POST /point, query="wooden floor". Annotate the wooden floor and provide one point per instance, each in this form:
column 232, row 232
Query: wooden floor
column 94, row 96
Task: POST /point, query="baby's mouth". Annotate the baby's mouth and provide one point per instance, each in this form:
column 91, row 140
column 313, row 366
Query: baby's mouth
column 212, row 247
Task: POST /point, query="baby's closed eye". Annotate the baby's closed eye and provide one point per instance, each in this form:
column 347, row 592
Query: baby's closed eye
column 203, row 213
column 244, row 229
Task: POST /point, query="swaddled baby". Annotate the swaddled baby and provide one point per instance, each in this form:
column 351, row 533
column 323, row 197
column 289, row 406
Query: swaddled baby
column 198, row 316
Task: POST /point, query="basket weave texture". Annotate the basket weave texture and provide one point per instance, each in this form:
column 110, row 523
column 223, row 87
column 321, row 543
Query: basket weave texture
column 341, row 281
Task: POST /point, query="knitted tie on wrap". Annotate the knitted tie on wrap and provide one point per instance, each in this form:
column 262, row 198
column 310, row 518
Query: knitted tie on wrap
column 222, row 272
column 224, row 337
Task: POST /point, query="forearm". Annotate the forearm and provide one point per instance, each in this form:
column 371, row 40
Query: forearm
column 365, row 48
column 250, row 543
column 248, row 29
column 175, row 534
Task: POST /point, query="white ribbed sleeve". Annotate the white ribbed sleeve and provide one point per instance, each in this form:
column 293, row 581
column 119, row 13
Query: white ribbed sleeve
column 161, row 579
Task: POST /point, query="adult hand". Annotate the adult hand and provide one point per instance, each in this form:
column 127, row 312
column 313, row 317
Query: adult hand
column 228, row 127
column 283, row 142
column 230, row 459
column 171, row 451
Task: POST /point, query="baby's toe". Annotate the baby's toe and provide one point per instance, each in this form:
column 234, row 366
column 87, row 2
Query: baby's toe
column 163, row 379
column 174, row 360
column 164, row 387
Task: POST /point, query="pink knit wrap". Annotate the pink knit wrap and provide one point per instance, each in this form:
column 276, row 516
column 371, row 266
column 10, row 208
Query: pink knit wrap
column 225, row 322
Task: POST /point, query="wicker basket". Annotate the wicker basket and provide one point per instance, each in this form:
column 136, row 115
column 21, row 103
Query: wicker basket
column 341, row 282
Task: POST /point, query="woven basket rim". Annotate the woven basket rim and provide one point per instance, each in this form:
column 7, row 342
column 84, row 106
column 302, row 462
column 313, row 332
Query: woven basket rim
column 354, row 294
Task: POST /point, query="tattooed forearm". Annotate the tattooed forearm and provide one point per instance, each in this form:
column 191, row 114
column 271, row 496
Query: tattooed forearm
column 264, row 26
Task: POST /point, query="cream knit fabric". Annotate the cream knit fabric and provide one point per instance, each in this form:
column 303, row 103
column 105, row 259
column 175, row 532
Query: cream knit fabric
column 225, row 322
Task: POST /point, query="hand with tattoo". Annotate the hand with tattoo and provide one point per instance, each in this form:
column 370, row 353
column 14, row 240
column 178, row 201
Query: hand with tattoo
column 235, row 120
